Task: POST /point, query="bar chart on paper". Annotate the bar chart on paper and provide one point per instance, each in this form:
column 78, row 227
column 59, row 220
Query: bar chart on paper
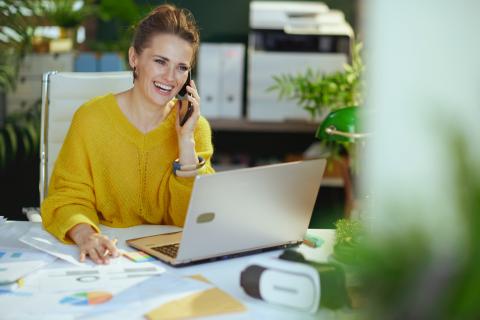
column 4, row 255
column 87, row 298
column 24, row 254
column 17, row 263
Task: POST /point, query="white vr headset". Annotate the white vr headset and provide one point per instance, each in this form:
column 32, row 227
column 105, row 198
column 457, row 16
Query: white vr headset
column 298, row 284
column 282, row 282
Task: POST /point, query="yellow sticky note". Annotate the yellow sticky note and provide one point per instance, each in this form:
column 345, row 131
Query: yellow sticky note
column 201, row 304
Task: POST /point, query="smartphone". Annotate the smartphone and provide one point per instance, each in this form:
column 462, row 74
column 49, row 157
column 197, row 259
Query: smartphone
column 185, row 113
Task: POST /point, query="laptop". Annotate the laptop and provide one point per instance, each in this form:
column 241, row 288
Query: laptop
column 242, row 211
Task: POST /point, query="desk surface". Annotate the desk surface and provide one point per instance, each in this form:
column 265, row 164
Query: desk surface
column 225, row 274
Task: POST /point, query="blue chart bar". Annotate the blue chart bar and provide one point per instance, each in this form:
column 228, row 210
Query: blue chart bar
column 2, row 254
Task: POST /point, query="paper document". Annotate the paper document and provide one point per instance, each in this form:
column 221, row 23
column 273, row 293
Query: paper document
column 113, row 277
column 10, row 272
column 76, row 291
column 17, row 263
column 9, row 254
column 11, row 232
column 139, row 299
column 41, row 239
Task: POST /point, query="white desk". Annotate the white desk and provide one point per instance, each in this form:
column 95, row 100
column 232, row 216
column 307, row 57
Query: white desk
column 226, row 274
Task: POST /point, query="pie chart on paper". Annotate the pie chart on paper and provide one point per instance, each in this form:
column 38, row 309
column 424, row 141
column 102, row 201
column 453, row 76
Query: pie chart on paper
column 87, row 298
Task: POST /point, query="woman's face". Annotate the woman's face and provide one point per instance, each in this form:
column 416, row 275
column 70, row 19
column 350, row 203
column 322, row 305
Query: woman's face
column 162, row 67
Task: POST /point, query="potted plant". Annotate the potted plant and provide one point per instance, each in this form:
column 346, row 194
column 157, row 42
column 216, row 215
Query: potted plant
column 18, row 21
column 318, row 93
column 115, row 24
column 67, row 14
column 19, row 134
column 335, row 98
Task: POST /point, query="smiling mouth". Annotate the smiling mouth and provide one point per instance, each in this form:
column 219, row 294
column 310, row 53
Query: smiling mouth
column 163, row 87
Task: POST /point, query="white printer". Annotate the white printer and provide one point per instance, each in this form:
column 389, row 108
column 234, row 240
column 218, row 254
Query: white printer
column 288, row 38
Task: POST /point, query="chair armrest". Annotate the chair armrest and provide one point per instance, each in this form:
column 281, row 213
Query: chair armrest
column 33, row 214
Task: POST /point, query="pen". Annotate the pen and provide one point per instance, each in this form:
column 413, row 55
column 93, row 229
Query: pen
column 114, row 243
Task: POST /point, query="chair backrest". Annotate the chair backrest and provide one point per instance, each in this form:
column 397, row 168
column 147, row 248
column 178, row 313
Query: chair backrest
column 62, row 94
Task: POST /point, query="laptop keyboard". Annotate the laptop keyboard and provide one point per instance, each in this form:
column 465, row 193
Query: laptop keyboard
column 169, row 250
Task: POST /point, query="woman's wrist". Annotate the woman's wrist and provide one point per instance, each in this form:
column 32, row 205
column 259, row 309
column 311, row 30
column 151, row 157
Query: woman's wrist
column 186, row 142
column 80, row 232
column 189, row 170
column 186, row 150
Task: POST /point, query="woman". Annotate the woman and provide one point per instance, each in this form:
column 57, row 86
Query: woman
column 126, row 159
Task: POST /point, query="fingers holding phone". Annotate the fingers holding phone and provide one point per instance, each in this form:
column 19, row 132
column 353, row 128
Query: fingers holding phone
column 194, row 100
column 193, row 91
column 188, row 108
column 185, row 110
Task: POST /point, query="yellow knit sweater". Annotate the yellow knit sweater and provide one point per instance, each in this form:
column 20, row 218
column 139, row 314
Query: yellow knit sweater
column 111, row 173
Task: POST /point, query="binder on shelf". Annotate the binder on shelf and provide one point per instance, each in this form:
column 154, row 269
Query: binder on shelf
column 85, row 62
column 110, row 62
column 209, row 70
column 220, row 79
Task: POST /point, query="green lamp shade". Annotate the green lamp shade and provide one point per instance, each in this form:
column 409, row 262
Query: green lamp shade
column 339, row 126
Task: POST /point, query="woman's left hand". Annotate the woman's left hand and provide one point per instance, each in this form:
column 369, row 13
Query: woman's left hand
column 186, row 131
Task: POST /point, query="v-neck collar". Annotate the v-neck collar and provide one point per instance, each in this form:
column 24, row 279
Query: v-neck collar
column 149, row 139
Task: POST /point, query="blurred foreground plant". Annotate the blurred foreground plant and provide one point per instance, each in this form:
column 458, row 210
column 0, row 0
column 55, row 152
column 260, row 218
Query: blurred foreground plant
column 348, row 239
column 403, row 277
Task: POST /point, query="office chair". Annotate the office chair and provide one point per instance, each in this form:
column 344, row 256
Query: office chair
column 62, row 94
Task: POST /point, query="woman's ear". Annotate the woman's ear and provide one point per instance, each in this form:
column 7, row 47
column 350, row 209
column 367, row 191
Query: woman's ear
column 132, row 57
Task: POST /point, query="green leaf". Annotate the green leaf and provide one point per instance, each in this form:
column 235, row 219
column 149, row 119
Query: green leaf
column 27, row 143
column 32, row 133
column 12, row 140
column 348, row 68
column 351, row 78
column 315, row 91
column 3, row 150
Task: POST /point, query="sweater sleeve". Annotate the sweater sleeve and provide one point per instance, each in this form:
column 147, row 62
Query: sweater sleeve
column 180, row 188
column 71, row 198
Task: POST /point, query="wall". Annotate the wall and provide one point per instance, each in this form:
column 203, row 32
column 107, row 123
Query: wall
column 227, row 20
column 222, row 20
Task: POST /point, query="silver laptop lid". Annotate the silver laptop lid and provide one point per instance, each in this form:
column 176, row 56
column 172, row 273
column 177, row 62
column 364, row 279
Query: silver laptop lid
column 248, row 209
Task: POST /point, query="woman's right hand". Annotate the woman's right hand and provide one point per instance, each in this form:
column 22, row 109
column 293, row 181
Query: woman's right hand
column 97, row 246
